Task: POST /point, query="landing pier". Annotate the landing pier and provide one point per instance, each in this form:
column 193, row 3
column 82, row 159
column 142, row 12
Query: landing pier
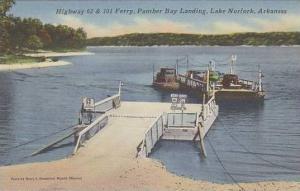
column 137, row 126
column 112, row 141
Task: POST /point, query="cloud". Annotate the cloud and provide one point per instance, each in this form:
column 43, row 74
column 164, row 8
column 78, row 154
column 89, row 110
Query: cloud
column 284, row 23
column 225, row 27
column 146, row 25
column 141, row 25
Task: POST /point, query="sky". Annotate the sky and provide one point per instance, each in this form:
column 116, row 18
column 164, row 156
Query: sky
column 118, row 23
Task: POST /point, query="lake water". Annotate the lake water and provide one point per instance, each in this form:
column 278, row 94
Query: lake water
column 252, row 142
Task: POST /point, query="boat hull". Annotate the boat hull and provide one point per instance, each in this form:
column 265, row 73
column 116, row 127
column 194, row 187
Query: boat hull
column 167, row 86
column 239, row 95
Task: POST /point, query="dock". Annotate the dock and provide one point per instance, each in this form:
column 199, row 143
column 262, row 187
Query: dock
column 112, row 140
column 137, row 126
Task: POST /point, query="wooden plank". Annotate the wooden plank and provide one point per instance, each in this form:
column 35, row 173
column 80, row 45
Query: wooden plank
column 201, row 141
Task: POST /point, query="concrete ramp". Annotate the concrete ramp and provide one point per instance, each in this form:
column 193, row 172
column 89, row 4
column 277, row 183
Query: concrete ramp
column 135, row 126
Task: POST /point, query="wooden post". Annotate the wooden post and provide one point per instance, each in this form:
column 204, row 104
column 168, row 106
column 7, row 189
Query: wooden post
column 207, row 83
column 176, row 67
column 201, row 140
column 203, row 108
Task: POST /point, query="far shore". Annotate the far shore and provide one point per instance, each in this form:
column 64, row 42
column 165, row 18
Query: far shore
column 48, row 63
column 18, row 66
column 58, row 54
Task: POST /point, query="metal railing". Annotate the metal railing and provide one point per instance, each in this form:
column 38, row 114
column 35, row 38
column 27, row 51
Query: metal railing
column 247, row 84
column 192, row 83
column 152, row 135
column 209, row 107
column 181, row 120
column 110, row 102
column 90, row 131
column 99, row 107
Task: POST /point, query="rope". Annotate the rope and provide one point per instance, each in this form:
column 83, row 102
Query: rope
column 252, row 71
column 39, row 138
column 250, row 152
column 255, row 154
column 223, row 60
column 221, row 163
column 132, row 116
column 182, row 58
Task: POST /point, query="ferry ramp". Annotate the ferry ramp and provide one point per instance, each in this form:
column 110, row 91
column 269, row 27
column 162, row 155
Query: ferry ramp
column 126, row 128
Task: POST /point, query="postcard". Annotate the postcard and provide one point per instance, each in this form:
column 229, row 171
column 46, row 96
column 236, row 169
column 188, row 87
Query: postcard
column 149, row 95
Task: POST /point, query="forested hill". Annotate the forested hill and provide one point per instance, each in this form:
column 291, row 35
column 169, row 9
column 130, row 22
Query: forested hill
column 172, row 39
column 27, row 34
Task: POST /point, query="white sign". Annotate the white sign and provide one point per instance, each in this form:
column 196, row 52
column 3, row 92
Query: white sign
column 179, row 96
column 88, row 104
column 178, row 101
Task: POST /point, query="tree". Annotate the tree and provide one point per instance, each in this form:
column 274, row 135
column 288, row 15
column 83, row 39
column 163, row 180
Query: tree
column 33, row 42
column 80, row 37
column 45, row 37
column 5, row 6
column 4, row 42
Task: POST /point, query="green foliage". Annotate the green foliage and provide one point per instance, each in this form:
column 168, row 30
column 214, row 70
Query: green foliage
column 15, row 59
column 171, row 39
column 5, row 5
column 33, row 42
column 4, row 42
column 24, row 31
column 18, row 35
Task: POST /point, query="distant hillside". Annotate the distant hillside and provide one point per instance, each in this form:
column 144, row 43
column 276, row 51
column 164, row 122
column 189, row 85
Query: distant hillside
column 172, row 39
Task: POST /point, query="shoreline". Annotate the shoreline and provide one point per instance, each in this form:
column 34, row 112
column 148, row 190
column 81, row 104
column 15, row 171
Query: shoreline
column 19, row 66
column 58, row 54
column 93, row 171
column 47, row 63
column 201, row 46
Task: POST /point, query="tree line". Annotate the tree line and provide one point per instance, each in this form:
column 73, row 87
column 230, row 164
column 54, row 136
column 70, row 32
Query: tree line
column 19, row 34
column 172, row 39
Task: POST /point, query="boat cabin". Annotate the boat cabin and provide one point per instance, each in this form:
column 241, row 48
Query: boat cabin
column 166, row 75
column 196, row 74
column 231, row 81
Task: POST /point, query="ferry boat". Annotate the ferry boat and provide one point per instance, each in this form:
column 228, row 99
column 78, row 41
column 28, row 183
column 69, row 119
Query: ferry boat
column 225, row 86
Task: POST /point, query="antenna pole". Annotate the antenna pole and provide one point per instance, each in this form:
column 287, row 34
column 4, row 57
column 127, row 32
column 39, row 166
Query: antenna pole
column 233, row 59
column 207, row 81
column 120, row 88
column 187, row 62
column 177, row 66
column 153, row 77
column 259, row 79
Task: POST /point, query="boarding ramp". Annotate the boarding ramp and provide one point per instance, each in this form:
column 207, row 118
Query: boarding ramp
column 137, row 126
column 90, row 131
column 152, row 135
column 145, row 123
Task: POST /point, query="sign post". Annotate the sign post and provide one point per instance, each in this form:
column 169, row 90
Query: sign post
column 178, row 103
